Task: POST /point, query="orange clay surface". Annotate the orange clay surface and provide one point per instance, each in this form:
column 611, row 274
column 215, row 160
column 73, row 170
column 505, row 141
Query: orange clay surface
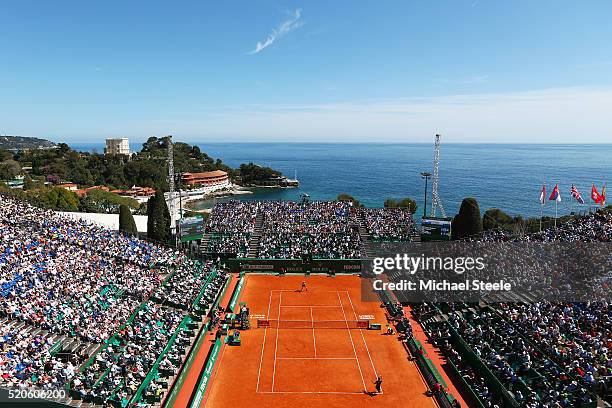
column 191, row 380
column 321, row 367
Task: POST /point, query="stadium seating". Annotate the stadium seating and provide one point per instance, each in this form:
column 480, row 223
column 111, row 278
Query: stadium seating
column 75, row 295
column 292, row 230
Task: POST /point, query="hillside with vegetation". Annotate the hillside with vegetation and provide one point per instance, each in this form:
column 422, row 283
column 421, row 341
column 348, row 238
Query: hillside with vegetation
column 146, row 168
column 43, row 169
column 24, row 142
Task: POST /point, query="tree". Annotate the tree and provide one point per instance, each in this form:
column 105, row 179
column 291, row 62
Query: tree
column 105, row 201
column 158, row 221
column 390, row 203
column 407, row 202
column 9, row 169
column 166, row 231
column 151, row 222
column 29, row 184
column 127, row 225
column 5, row 155
column 496, row 218
column 150, row 144
column 468, row 222
column 63, row 148
column 58, row 198
column 252, row 173
column 349, row 198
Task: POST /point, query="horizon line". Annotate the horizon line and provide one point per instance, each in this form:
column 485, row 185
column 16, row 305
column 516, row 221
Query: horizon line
column 347, row 142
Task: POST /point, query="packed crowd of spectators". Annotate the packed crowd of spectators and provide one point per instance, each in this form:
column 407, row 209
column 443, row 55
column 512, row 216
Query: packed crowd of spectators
column 26, row 360
column 318, row 229
column 230, row 226
column 236, row 244
column 321, row 229
column 560, row 350
column 54, row 273
column 288, row 229
column 576, row 336
column 231, row 217
column 183, row 286
column 549, row 352
column 594, row 227
column 211, row 290
column 570, row 263
column 120, row 369
column 546, row 355
column 511, row 358
column 64, row 280
column 389, row 224
column 488, row 397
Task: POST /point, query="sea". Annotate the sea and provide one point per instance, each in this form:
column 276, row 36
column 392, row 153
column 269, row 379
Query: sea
column 505, row 176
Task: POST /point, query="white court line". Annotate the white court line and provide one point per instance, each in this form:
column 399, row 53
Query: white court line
column 310, row 306
column 263, row 345
column 312, row 392
column 280, row 300
column 316, row 358
column 353, row 344
column 362, row 336
column 314, row 338
column 298, row 291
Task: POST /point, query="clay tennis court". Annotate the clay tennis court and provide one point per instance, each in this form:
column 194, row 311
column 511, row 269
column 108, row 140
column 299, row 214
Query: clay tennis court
column 313, row 352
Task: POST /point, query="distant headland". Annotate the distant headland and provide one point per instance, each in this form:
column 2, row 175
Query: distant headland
column 24, row 142
column 56, row 176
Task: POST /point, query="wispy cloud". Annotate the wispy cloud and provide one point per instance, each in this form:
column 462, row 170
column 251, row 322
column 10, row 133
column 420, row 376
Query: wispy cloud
column 558, row 115
column 285, row 27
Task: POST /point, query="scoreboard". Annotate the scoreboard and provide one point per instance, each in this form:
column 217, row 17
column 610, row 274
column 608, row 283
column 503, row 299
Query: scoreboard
column 436, row 229
column 191, row 228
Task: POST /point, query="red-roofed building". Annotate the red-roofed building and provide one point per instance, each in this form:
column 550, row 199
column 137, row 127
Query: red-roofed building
column 140, row 194
column 68, row 186
column 103, row 188
column 216, row 178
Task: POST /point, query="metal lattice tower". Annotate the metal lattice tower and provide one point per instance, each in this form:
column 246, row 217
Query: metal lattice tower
column 436, row 202
column 171, row 178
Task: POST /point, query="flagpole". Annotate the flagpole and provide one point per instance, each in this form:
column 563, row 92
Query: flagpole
column 556, row 213
column 542, row 203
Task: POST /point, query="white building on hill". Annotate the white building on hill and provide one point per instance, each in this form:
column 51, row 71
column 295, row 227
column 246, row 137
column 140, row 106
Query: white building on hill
column 117, row 146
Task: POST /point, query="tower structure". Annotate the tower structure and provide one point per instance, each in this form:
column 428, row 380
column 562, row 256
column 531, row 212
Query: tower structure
column 436, row 202
column 171, row 202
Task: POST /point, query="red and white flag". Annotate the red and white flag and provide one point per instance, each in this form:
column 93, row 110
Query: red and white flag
column 543, row 195
column 595, row 196
column 555, row 195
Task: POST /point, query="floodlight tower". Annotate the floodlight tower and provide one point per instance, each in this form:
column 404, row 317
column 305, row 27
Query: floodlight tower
column 436, row 202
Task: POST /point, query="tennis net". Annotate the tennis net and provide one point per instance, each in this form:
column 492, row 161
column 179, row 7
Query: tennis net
column 310, row 324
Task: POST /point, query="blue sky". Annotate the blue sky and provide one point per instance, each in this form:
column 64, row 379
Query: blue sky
column 475, row 70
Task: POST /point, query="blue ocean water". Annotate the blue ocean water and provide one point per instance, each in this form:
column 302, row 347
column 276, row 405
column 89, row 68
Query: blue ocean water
column 507, row 176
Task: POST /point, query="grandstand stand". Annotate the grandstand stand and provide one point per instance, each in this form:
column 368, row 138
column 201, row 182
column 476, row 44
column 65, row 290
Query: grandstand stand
column 109, row 316
column 292, row 230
